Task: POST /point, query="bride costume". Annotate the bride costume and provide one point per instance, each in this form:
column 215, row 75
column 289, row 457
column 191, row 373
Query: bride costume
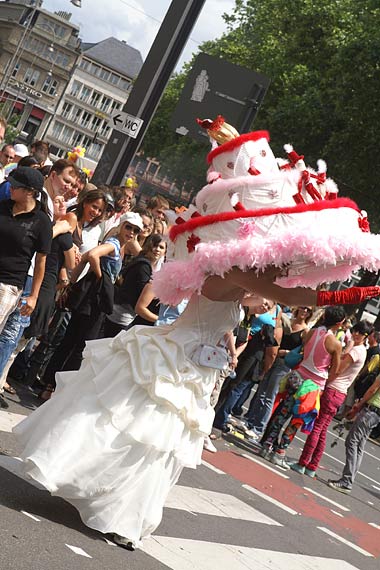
column 117, row 433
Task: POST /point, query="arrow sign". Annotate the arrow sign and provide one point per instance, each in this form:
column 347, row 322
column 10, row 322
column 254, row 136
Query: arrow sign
column 126, row 124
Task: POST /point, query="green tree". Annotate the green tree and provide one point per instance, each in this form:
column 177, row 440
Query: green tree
column 323, row 60
column 11, row 132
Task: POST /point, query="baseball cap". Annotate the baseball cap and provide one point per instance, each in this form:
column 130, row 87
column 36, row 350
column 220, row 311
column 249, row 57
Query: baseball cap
column 21, row 150
column 132, row 218
column 26, row 177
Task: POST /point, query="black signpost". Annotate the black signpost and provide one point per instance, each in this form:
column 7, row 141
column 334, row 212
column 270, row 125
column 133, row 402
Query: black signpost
column 217, row 87
column 147, row 91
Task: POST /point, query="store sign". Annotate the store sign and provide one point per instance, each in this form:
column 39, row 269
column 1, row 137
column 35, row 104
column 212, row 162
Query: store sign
column 25, row 88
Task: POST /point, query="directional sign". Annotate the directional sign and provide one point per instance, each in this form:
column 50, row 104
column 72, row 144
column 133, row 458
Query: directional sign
column 126, row 124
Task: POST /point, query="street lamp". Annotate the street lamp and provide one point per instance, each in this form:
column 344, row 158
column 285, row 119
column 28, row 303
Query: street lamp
column 77, row 3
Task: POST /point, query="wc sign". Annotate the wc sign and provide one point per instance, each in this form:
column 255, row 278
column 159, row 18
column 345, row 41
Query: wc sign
column 126, row 124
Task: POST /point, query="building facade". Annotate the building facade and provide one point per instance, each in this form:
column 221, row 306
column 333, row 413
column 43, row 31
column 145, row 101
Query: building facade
column 38, row 53
column 98, row 90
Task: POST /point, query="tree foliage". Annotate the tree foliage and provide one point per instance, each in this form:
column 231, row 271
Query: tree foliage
column 323, row 59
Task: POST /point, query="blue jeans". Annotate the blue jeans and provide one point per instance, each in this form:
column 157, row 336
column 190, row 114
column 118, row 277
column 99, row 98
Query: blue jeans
column 260, row 409
column 13, row 330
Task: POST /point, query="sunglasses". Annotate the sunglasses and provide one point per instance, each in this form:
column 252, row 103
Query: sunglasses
column 135, row 229
column 306, row 309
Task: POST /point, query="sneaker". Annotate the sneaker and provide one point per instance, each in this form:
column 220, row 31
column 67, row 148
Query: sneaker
column 298, row 468
column 252, row 435
column 208, row 445
column 339, row 486
column 310, row 473
column 279, row 460
column 3, row 403
column 123, row 542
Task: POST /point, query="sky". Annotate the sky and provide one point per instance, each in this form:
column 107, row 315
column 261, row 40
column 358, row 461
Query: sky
column 137, row 21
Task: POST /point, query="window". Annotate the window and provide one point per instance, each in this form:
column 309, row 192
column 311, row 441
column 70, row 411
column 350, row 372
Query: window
column 85, row 93
column 86, row 141
column 95, row 123
column 95, row 98
column 84, row 64
column 125, row 84
column 115, row 79
column 66, row 110
column 105, row 129
column 15, row 69
column 66, row 135
column 95, row 150
column 95, row 69
column 50, row 86
column 105, row 103
column 76, row 114
column 57, row 129
column 31, row 76
column 115, row 106
column 85, row 120
column 104, row 74
column 75, row 88
column 76, row 138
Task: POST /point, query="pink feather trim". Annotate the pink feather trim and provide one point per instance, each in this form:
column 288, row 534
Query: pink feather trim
column 319, row 257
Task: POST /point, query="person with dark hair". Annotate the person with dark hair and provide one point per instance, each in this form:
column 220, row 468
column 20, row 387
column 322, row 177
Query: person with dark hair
column 40, row 151
column 367, row 418
column 321, row 361
column 332, row 398
column 25, row 230
column 136, row 275
column 157, row 205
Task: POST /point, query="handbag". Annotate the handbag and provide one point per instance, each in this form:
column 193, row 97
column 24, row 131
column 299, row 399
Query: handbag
column 211, row 356
column 294, row 357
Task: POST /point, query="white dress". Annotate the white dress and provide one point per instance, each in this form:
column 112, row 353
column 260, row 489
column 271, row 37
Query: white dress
column 116, row 435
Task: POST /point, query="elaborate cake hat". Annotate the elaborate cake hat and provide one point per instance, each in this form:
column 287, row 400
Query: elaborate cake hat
column 258, row 211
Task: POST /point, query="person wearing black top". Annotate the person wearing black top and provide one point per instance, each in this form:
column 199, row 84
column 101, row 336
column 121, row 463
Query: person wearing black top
column 25, row 230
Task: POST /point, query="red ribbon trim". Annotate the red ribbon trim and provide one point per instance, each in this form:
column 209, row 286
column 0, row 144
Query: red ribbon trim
column 202, row 221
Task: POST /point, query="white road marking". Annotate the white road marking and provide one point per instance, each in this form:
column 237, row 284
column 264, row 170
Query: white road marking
column 265, row 465
column 342, row 463
column 377, row 488
column 8, row 420
column 374, row 525
column 212, row 503
column 337, row 514
column 327, row 499
column 209, row 466
column 78, row 550
column 109, row 542
column 346, row 542
column 31, row 516
column 270, row 499
column 186, row 554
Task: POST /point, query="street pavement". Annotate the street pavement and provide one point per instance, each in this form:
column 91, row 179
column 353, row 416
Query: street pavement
column 236, row 511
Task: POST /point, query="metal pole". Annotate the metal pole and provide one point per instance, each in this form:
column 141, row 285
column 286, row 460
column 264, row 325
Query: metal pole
column 149, row 87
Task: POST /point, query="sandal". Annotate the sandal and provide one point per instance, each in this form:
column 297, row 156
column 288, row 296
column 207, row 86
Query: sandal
column 47, row 392
column 9, row 388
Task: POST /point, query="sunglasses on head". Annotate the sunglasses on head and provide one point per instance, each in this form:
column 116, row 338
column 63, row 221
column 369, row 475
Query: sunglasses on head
column 135, row 229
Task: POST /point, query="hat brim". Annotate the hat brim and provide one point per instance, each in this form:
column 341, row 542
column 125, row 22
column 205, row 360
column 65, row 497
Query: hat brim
column 16, row 184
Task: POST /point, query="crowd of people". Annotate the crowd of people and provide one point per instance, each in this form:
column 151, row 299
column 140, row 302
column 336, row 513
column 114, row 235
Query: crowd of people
column 76, row 265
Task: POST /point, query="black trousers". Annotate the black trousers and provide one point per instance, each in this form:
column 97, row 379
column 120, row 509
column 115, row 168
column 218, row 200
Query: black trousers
column 69, row 353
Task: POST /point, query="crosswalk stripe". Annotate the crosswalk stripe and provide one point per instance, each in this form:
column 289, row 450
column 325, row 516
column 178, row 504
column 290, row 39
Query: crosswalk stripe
column 8, row 420
column 213, row 503
column 186, row 554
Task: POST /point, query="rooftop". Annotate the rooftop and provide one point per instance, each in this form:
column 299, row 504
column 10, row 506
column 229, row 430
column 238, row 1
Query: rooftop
column 116, row 55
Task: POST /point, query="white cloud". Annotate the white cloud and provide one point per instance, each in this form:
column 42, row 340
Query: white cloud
column 123, row 19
